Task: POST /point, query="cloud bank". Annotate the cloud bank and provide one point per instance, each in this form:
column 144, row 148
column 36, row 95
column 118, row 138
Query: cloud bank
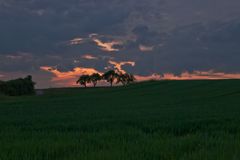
column 156, row 37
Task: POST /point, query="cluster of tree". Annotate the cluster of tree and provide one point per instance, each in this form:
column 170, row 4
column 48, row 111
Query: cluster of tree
column 110, row 76
column 18, row 87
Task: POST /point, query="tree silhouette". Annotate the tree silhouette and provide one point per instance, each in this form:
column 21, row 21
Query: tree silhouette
column 121, row 78
column 125, row 78
column 94, row 78
column 83, row 80
column 130, row 78
column 18, row 87
column 110, row 76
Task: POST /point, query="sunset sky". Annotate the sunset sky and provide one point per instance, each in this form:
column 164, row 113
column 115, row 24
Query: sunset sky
column 56, row 41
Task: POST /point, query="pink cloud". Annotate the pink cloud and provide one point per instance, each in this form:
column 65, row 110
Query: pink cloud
column 147, row 78
column 195, row 75
column 89, row 57
column 198, row 75
column 68, row 78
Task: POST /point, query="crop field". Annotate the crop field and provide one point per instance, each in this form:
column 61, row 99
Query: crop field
column 164, row 120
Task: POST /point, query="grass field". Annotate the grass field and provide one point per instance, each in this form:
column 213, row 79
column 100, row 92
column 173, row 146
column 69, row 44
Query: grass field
column 168, row 120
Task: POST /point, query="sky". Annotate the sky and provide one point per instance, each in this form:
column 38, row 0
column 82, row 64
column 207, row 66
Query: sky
column 56, row 41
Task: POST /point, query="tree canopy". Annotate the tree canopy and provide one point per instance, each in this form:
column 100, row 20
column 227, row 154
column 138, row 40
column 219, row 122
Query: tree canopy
column 18, row 87
column 83, row 80
column 111, row 77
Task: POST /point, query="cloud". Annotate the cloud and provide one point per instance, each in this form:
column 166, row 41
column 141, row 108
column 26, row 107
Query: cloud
column 20, row 61
column 76, row 41
column 14, row 57
column 147, row 78
column 145, row 48
column 89, row 57
column 182, row 36
column 19, row 56
column 108, row 46
column 198, row 75
column 112, row 43
column 118, row 65
column 195, row 75
column 68, row 78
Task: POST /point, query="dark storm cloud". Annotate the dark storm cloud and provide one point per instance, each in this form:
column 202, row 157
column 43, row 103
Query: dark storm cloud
column 159, row 35
column 38, row 26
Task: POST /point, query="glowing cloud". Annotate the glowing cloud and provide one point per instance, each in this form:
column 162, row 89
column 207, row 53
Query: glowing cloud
column 198, row 75
column 107, row 46
column 147, row 78
column 68, row 78
column 118, row 65
column 89, row 57
column 144, row 48
column 195, row 75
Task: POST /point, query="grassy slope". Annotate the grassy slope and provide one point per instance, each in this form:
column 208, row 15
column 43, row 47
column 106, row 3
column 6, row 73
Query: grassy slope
column 172, row 120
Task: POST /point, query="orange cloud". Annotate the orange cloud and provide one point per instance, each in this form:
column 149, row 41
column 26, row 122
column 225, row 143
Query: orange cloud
column 89, row 57
column 107, row 46
column 68, row 78
column 198, row 75
column 118, row 65
column 195, row 75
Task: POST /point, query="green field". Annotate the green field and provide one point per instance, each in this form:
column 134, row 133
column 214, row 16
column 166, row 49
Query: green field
column 167, row 120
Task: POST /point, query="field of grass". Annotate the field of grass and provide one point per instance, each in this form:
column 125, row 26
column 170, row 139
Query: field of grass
column 168, row 120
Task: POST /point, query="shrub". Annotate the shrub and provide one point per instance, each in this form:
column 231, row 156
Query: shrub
column 18, row 87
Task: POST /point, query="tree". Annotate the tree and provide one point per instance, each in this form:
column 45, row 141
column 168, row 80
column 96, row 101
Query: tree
column 121, row 78
column 130, row 78
column 18, row 87
column 125, row 78
column 110, row 76
column 84, row 80
column 94, row 78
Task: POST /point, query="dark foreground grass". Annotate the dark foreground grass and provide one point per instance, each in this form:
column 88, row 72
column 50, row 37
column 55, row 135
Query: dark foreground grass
column 168, row 120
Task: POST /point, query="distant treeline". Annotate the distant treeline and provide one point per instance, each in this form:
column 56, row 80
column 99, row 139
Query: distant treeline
column 111, row 77
column 18, row 87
